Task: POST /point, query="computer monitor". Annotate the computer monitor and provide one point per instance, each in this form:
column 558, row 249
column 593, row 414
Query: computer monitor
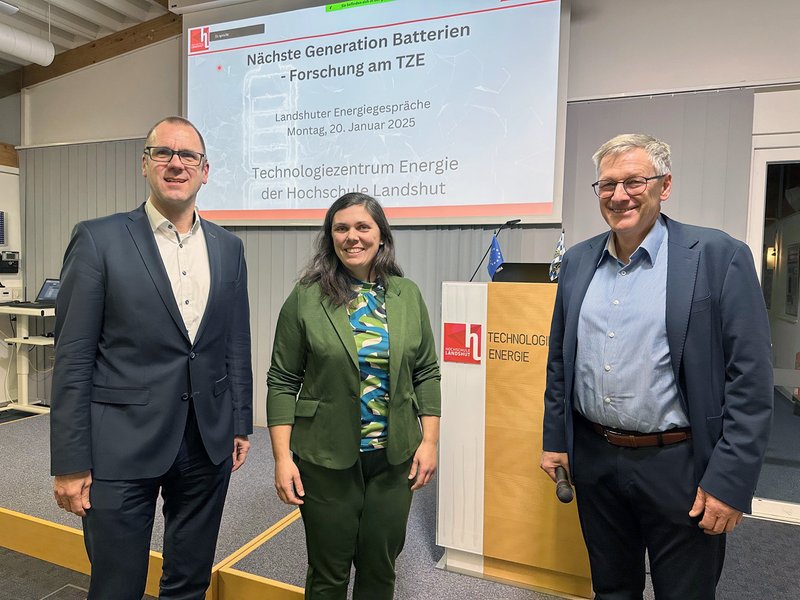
column 523, row 273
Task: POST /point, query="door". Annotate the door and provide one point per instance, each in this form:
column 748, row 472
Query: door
column 774, row 238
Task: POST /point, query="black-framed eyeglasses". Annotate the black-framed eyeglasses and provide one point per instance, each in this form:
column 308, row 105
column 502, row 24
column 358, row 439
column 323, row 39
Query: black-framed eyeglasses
column 633, row 186
column 162, row 154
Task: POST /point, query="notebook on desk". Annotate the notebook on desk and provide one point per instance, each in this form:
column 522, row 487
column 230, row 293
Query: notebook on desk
column 46, row 298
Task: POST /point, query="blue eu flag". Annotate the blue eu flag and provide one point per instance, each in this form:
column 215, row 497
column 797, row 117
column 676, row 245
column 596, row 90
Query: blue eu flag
column 495, row 258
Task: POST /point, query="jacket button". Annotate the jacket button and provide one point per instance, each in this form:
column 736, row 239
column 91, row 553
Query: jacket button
column 184, row 396
column 192, row 355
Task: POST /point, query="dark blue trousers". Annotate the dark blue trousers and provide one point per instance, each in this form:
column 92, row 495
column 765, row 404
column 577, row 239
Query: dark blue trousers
column 636, row 499
column 118, row 527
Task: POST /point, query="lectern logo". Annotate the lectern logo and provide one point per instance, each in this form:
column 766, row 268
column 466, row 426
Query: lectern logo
column 462, row 343
column 199, row 39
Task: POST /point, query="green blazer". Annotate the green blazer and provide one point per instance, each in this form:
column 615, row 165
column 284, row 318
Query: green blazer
column 314, row 383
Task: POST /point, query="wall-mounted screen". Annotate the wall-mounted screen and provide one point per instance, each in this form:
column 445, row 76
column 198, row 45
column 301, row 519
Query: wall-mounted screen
column 446, row 112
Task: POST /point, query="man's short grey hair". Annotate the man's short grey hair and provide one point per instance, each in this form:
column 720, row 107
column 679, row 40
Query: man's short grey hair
column 657, row 150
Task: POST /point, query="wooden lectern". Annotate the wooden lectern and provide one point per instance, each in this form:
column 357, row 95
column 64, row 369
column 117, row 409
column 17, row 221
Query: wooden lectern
column 498, row 515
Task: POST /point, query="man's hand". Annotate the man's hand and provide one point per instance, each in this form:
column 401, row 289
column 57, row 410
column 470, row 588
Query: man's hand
column 423, row 466
column 551, row 460
column 241, row 446
column 72, row 492
column 287, row 482
column 718, row 517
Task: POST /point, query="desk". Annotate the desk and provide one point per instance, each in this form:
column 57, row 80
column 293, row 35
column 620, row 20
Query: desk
column 21, row 340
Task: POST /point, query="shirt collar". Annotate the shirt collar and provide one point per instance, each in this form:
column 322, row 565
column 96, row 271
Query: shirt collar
column 649, row 246
column 159, row 221
column 368, row 285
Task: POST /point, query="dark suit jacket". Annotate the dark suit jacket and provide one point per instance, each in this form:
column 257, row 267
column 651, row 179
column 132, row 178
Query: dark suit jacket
column 719, row 341
column 124, row 364
column 315, row 356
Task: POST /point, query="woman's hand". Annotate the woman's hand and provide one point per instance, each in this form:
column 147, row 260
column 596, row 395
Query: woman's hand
column 423, row 467
column 287, row 475
column 288, row 483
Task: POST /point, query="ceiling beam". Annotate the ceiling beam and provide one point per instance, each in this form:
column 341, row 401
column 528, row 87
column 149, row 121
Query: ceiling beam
column 10, row 83
column 133, row 38
column 8, row 155
column 156, row 30
column 41, row 11
column 33, row 27
column 134, row 11
column 93, row 13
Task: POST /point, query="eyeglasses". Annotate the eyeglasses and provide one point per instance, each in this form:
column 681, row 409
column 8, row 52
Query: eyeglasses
column 633, row 186
column 162, row 154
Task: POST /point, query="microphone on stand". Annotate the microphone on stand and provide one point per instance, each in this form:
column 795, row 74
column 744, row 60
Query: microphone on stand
column 485, row 254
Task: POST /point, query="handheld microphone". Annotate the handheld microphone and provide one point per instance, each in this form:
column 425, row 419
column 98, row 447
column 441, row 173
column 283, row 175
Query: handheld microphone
column 499, row 229
column 564, row 489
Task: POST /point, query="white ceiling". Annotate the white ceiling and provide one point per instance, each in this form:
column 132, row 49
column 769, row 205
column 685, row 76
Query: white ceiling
column 72, row 23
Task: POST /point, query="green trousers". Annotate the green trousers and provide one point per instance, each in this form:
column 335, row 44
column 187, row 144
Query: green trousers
column 355, row 516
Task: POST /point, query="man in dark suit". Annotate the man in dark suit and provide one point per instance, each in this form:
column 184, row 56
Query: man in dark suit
column 659, row 384
column 152, row 387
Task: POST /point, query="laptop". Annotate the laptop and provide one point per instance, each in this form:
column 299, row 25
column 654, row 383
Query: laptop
column 46, row 298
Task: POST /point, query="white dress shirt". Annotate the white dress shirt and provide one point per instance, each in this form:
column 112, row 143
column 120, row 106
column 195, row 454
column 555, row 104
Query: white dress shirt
column 185, row 258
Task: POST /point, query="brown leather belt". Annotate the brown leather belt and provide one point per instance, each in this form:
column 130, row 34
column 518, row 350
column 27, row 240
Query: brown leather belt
column 634, row 439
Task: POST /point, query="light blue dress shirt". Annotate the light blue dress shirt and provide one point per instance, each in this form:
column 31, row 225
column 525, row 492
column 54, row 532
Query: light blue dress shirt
column 623, row 374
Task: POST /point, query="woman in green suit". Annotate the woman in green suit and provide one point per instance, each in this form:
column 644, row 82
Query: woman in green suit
column 353, row 402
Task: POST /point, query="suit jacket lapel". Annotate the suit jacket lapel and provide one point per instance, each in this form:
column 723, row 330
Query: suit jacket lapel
column 341, row 323
column 215, row 267
column 139, row 228
column 396, row 320
column 682, row 262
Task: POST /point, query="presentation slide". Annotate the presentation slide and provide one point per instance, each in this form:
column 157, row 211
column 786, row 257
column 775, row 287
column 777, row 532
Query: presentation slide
column 443, row 111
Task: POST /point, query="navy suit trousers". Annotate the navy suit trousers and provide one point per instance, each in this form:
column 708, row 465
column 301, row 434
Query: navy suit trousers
column 636, row 499
column 118, row 527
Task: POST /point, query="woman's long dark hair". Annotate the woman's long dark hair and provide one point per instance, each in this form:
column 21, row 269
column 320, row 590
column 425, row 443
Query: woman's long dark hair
column 325, row 267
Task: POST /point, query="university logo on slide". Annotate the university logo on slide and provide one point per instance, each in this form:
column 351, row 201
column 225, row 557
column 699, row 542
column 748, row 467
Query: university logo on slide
column 199, row 39
column 462, row 343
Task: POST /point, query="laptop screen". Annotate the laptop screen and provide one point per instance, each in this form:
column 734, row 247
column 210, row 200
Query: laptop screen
column 49, row 290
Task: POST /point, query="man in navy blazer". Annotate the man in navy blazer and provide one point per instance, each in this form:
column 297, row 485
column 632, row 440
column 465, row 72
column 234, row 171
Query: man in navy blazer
column 659, row 384
column 152, row 386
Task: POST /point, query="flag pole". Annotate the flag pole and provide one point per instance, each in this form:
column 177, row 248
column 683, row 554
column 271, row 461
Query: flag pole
column 485, row 254
column 496, row 232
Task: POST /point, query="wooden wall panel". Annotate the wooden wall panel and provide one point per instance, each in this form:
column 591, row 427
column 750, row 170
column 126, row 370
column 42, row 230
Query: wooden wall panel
column 524, row 525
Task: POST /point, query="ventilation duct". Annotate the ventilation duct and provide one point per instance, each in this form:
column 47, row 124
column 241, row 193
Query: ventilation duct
column 26, row 46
